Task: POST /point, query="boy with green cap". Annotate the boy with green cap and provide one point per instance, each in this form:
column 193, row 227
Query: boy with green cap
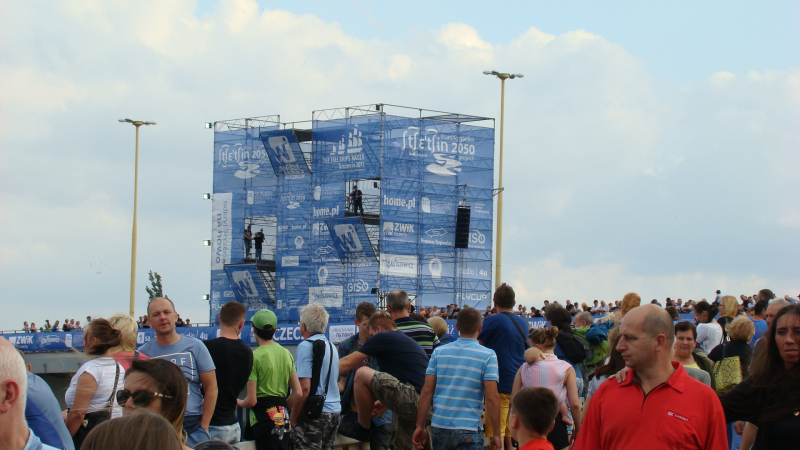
column 268, row 386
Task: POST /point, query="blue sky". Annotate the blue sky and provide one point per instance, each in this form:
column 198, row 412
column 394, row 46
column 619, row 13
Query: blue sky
column 648, row 148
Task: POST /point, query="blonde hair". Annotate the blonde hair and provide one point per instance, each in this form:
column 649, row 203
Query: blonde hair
column 439, row 325
column 129, row 329
column 731, row 306
column 546, row 337
column 741, row 329
column 629, row 301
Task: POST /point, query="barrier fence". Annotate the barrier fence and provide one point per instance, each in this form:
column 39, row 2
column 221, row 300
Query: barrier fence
column 289, row 333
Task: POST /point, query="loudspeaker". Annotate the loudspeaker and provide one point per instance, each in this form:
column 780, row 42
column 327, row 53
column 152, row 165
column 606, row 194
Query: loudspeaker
column 462, row 227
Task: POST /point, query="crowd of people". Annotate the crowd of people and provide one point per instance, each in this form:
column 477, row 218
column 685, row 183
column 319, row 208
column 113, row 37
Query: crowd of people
column 73, row 325
column 625, row 375
column 68, row 325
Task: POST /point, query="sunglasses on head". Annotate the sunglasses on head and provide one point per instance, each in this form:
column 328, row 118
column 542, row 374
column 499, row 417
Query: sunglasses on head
column 141, row 397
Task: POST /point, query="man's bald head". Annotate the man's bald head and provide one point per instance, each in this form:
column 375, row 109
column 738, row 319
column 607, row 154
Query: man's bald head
column 654, row 321
column 158, row 300
column 12, row 370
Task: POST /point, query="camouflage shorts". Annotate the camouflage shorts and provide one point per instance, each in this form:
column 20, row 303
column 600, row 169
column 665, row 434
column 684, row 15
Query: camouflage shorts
column 403, row 400
column 317, row 434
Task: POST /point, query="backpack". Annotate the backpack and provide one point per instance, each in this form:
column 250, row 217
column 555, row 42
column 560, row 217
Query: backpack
column 576, row 350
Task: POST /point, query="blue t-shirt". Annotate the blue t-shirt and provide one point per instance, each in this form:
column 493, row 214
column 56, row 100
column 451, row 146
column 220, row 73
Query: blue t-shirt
column 460, row 369
column 192, row 357
column 500, row 335
column 39, row 392
column 305, row 363
column 761, row 328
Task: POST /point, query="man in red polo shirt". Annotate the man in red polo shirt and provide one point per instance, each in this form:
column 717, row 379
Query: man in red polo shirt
column 658, row 406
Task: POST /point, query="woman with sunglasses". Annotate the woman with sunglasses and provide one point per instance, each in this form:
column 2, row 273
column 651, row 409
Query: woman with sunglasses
column 159, row 386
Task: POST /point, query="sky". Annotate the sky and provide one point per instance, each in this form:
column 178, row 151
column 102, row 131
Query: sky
column 649, row 147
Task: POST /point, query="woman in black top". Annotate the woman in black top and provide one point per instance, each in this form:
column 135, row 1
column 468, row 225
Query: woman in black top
column 770, row 397
column 740, row 331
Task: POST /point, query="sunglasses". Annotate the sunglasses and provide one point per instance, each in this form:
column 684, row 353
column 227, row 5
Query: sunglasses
column 141, row 398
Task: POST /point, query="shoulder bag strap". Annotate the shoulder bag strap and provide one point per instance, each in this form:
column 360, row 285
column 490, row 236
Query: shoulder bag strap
column 521, row 333
column 316, row 367
column 330, row 365
column 110, row 403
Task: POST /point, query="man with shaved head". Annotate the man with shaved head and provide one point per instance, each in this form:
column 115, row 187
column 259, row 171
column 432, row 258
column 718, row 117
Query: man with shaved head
column 658, row 406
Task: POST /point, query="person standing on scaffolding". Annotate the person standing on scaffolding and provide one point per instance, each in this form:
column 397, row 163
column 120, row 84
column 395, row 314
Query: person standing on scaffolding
column 355, row 199
column 248, row 241
column 259, row 240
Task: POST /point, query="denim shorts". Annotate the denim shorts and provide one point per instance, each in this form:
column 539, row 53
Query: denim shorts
column 445, row 439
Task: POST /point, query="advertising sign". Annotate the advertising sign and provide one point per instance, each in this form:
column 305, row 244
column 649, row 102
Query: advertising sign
column 284, row 152
column 350, row 240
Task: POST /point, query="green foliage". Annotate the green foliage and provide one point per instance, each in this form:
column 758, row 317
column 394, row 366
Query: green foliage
column 156, row 290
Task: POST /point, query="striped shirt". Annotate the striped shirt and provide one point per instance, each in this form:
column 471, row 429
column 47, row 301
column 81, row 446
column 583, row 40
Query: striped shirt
column 460, row 369
column 420, row 332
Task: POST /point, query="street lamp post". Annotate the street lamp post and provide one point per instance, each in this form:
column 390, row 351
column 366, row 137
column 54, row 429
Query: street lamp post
column 499, row 244
column 137, row 124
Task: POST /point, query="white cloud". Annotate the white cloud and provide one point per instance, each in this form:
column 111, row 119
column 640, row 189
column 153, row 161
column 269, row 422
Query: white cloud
column 635, row 183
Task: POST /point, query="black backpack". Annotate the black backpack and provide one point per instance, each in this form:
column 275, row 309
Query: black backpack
column 576, row 349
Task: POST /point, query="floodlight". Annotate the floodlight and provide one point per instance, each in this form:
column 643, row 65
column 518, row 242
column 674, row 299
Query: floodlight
column 209, row 125
column 206, row 296
column 207, row 243
column 206, row 196
column 489, row 72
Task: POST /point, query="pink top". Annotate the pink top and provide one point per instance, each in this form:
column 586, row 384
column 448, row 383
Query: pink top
column 548, row 373
column 125, row 358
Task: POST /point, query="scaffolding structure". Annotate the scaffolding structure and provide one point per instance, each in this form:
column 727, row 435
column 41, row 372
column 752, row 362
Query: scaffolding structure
column 410, row 167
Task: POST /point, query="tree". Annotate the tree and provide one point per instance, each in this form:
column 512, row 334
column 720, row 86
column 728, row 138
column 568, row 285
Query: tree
column 156, row 291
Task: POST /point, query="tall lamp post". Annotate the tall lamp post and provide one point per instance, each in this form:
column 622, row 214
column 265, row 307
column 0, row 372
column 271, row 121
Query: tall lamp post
column 137, row 124
column 499, row 244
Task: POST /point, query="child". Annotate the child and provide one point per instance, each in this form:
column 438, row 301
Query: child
column 533, row 415
column 533, row 355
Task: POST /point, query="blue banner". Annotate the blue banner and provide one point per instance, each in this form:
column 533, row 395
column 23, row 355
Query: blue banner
column 248, row 286
column 241, row 161
column 350, row 240
column 289, row 333
column 284, row 152
column 347, row 149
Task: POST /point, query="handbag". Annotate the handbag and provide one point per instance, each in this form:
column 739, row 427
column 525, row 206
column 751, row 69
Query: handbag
column 312, row 408
column 727, row 372
column 92, row 419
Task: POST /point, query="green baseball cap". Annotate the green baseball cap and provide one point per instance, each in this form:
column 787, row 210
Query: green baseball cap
column 265, row 319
